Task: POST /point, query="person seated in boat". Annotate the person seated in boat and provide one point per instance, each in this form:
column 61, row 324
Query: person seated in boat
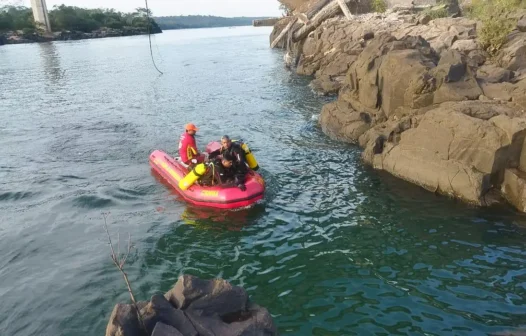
column 188, row 151
column 221, row 171
column 235, row 150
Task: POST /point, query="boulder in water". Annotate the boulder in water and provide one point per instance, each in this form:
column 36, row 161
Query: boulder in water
column 194, row 307
column 210, row 297
column 255, row 321
column 160, row 310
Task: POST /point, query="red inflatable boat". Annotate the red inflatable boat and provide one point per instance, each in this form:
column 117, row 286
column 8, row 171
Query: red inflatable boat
column 171, row 170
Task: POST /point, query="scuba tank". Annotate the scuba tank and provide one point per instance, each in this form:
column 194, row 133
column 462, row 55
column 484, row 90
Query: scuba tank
column 249, row 157
column 192, row 176
column 251, row 160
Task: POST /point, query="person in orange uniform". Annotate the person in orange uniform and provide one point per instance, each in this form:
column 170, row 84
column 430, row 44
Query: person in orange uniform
column 187, row 148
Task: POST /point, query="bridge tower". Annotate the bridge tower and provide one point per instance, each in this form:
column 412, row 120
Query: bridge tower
column 40, row 14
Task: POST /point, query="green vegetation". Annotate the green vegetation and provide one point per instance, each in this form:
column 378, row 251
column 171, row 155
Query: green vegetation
column 16, row 18
column 379, row 6
column 76, row 19
column 201, row 21
column 437, row 12
column 497, row 21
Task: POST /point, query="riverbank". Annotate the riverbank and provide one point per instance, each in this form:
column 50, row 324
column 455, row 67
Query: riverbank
column 73, row 23
column 20, row 37
column 424, row 94
column 265, row 22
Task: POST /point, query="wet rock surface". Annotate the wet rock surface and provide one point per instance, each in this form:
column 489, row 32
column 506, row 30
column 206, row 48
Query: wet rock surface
column 194, row 307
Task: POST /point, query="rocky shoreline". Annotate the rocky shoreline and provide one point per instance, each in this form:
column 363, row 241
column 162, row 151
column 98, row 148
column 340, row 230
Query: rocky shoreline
column 423, row 99
column 21, row 37
column 194, row 307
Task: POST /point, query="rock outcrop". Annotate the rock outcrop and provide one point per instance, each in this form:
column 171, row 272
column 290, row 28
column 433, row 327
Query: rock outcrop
column 513, row 55
column 425, row 101
column 451, row 153
column 194, row 307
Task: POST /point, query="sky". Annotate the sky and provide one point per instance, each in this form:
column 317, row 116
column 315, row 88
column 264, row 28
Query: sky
column 226, row 8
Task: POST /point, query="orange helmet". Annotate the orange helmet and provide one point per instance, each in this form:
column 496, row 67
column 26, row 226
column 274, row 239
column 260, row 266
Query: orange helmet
column 191, row 127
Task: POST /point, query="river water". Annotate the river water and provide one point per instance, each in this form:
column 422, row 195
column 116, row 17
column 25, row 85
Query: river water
column 335, row 249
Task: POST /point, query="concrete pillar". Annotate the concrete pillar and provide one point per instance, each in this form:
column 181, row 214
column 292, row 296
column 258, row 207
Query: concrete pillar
column 40, row 14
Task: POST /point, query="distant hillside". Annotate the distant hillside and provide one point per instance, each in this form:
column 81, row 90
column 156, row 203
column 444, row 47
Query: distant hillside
column 201, row 21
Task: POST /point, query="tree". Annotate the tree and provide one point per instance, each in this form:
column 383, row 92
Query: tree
column 143, row 12
column 286, row 11
column 76, row 19
column 6, row 21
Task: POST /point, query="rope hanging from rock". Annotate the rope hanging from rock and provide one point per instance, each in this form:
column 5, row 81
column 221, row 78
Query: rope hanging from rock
column 150, row 35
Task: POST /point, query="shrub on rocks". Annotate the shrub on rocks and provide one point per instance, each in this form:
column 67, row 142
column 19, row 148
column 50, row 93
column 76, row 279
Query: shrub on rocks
column 498, row 21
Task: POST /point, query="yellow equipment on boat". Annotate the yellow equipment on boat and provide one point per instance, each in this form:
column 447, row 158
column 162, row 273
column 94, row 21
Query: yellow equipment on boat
column 251, row 160
column 192, row 176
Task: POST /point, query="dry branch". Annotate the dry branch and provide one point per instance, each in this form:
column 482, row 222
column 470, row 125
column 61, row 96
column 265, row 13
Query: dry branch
column 345, row 9
column 283, row 32
column 119, row 262
column 327, row 12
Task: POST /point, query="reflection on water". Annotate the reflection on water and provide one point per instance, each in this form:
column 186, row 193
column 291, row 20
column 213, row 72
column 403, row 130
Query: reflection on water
column 211, row 219
column 51, row 64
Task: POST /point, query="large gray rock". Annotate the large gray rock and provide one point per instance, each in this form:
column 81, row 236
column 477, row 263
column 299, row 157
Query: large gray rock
column 388, row 73
column 211, row 297
column 160, row 310
column 490, row 73
column 466, row 46
column 256, row 321
column 509, row 92
column 123, row 321
column 162, row 329
column 521, row 24
column 399, row 75
column 514, row 188
column 340, row 122
column 441, row 33
column 326, row 85
column 513, row 55
column 393, row 79
column 456, row 80
column 450, row 153
column 209, row 307
column 515, row 130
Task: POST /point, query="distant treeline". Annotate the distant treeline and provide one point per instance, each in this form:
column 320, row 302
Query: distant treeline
column 75, row 19
column 201, row 21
